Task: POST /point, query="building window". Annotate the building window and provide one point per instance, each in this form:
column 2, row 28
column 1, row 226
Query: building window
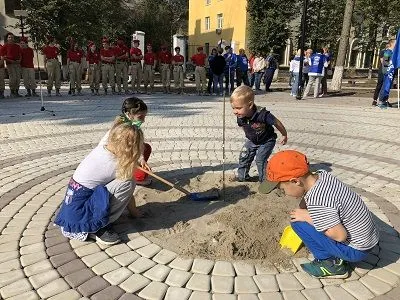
column 207, row 23
column 208, row 2
column 220, row 21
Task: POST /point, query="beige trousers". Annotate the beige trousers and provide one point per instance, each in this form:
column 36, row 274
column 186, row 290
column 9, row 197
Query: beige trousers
column 2, row 79
column 107, row 75
column 178, row 76
column 166, row 75
column 94, row 76
column 121, row 72
column 14, row 75
column 53, row 74
column 136, row 75
column 148, row 75
column 201, row 79
column 28, row 75
column 75, row 75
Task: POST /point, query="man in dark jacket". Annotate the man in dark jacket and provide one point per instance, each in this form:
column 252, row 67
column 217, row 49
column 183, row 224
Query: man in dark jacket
column 217, row 66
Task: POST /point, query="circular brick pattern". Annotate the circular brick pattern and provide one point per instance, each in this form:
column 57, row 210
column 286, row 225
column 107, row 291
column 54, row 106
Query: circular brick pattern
column 41, row 151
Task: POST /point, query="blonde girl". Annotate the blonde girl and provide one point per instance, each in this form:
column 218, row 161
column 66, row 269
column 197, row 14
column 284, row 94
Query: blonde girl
column 102, row 187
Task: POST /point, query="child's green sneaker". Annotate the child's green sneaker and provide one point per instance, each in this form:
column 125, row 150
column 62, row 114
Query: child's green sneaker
column 327, row 268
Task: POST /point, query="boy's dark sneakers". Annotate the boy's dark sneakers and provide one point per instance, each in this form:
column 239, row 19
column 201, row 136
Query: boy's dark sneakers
column 327, row 268
column 106, row 236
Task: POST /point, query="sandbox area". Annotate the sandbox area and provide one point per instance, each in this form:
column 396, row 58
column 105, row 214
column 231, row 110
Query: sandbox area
column 246, row 226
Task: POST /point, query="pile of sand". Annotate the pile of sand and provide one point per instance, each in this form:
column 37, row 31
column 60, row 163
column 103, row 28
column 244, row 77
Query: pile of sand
column 246, row 226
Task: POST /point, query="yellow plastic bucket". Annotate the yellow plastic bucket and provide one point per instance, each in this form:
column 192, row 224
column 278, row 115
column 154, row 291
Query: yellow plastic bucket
column 290, row 239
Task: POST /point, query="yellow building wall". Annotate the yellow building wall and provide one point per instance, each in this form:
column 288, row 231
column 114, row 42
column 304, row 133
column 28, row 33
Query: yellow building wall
column 234, row 26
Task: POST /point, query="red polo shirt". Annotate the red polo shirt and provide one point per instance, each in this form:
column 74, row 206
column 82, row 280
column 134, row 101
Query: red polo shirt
column 11, row 51
column 165, row 57
column 149, row 58
column 75, row 55
column 93, row 57
column 121, row 50
column 27, row 57
column 137, row 52
column 51, row 52
column 178, row 58
column 199, row 59
column 107, row 53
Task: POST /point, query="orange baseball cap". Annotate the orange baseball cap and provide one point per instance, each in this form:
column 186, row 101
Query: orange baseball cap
column 284, row 166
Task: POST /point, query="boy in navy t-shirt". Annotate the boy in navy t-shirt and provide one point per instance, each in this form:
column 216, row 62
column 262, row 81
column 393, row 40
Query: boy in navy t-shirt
column 258, row 125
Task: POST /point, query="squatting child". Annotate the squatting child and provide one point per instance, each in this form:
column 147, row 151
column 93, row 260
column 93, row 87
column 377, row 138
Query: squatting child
column 258, row 125
column 332, row 221
column 102, row 187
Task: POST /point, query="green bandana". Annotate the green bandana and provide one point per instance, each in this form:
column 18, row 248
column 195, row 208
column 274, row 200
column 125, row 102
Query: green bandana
column 136, row 123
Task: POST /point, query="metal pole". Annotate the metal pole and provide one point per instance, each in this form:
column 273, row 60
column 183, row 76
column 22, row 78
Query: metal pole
column 302, row 45
column 22, row 25
column 223, row 148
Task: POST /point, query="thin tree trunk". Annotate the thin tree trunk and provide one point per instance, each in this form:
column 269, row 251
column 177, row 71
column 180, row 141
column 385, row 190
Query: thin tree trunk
column 343, row 45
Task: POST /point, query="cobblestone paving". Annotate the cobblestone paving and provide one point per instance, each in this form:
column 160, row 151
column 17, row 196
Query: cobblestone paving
column 39, row 152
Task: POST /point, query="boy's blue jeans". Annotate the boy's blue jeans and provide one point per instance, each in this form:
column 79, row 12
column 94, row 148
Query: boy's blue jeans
column 260, row 152
column 218, row 83
column 258, row 77
column 323, row 247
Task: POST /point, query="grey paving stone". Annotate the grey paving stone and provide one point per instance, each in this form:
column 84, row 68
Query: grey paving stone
column 134, row 283
column 127, row 258
column 59, row 249
column 266, row 283
column 362, row 268
column 199, row 282
column 385, row 276
column 287, row 282
column 117, row 249
column 393, row 267
column 196, row 295
column 10, row 246
column 149, row 251
column 41, row 279
column 180, row 263
column 375, row 285
column 331, row 281
column 202, row 266
column 244, row 269
column 270, row 296
column 110, row 293
column 10, row 265
column 394, row 293
column 154, row 291
column 353, row 276
column 129, row 297
column 222, row 284
column 77, row 244
column 307, row 281
column 49, row 242
column 141, row 265
column 165, row 257
column 117, row 276
column 53, row 233
column 265, row 270
column 8, row 238
column 245, row 285
column 17, row 287
column 92, row 286
column 388, row 255
column 62, row 259
column 71, row 267
column 33, row 231
column 38, row 267
column 138, row 242
column 223, row 268
column 53, row 288
column 79, row 277
column 290, row 295
column 224, row 297
column 315, row 294
column 33, row 248
column 87, row 249
column 338, row 293
column 32, row 258
column 157, row 273
column 177, row 293
column 68, row 294
column 6, row 256
column 357, row 289
column 106, row 266
column 10, row 277
column 178, row 278
column 298, row 261
column 394, row 247
column 95, row 258
column 31, row 295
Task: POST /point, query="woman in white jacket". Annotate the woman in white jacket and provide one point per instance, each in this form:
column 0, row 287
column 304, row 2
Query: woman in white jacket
column 294, row 69
column 259, row 68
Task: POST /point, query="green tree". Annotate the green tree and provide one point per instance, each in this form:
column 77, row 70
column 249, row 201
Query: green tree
column 269, row 23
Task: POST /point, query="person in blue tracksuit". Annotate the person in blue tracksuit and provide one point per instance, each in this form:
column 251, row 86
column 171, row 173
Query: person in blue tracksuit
column 230, row 69
column 318, row 62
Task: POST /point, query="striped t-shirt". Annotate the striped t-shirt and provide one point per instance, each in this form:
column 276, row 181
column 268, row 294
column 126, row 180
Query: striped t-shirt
column 330, row 202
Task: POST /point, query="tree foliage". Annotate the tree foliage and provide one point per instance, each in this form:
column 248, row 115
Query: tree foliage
column 269, row 23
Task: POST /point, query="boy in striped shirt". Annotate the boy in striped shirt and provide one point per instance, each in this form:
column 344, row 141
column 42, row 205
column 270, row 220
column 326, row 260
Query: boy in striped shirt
column 332, row 221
